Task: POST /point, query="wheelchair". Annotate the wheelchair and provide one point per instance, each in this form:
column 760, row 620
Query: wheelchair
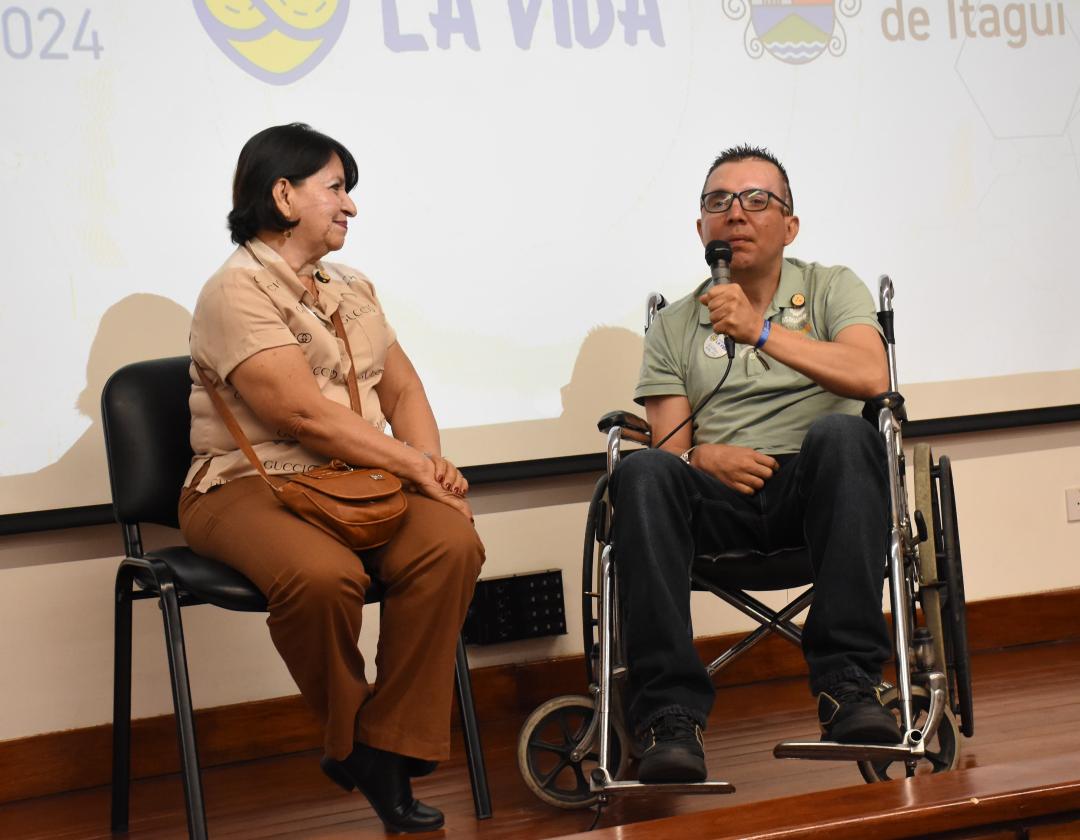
column 574, row 750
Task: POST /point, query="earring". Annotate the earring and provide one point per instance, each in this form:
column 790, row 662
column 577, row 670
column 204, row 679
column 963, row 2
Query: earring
column 288, row 233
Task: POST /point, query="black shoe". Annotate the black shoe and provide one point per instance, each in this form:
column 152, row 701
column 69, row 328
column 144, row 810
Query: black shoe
column 673, row 751
column 851, row 713
column 418, row 767
column 383, row 777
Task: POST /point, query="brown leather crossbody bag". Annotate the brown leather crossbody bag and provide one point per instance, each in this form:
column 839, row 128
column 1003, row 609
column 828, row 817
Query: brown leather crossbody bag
column 362, row 507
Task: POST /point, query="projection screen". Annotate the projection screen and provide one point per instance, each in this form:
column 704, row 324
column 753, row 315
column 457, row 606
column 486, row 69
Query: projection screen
column 529, row 171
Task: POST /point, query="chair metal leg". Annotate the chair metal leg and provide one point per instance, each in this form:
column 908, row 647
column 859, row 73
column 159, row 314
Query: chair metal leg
column 474, row 752
column 185, row 718
column 121, row 734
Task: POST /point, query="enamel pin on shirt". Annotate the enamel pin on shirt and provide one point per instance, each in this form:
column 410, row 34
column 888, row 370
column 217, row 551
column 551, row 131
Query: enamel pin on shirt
column 795, row 317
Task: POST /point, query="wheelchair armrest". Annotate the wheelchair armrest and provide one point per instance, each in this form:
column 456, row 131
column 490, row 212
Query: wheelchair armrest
column 633, row 427
column 892, row 400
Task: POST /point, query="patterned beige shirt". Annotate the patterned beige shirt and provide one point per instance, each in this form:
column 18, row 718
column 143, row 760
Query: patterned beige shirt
column 255, row 302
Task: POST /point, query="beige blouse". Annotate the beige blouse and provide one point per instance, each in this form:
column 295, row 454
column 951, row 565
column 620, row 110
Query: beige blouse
column 255, row 302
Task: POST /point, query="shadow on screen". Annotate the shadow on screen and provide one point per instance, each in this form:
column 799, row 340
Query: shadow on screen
column 603, row 379
column 144, row 326
column 605, row 373
column 137, row 327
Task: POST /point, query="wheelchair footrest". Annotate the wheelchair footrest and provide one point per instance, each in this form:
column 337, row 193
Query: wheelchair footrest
column 835, row 751
column 659, row 788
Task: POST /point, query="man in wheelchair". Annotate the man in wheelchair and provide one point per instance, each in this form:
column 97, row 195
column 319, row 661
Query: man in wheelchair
column 778, row 458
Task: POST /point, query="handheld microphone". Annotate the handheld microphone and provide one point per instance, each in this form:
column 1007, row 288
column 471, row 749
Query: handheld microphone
column 718, row 256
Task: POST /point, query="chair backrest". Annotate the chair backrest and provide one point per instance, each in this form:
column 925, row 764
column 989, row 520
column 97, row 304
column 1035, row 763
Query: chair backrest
column 144, row 410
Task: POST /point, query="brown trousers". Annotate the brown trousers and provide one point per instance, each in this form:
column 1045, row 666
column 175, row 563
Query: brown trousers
column 315, row 590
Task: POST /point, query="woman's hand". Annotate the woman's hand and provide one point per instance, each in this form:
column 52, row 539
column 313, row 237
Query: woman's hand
column 444, row 483
column 449, row 476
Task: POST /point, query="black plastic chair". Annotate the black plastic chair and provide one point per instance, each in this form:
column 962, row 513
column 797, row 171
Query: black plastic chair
column 144, row 409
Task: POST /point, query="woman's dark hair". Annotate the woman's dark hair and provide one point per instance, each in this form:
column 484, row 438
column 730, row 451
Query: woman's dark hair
column 293, row 152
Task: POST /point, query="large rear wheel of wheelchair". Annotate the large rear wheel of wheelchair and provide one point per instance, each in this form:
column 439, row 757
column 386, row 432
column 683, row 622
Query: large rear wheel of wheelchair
column 930, row 583
column 941, row 579
column 546, row 742
column 951, row 571
column 942, row 751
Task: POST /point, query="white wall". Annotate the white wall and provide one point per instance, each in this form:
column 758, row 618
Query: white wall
column 55, row 588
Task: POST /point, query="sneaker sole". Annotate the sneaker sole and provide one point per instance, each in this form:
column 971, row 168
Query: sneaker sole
column 683, row 771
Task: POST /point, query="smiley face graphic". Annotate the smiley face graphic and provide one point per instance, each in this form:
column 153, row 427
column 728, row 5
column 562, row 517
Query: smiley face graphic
column 277, row 41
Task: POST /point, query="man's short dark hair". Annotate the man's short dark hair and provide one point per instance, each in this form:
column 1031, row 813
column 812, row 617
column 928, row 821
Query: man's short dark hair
column 293, row 152
column 747, row 152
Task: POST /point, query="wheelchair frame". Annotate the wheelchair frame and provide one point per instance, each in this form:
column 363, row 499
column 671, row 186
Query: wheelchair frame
column 932, row 663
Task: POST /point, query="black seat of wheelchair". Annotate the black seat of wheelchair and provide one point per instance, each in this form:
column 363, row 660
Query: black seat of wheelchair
column 784, row 569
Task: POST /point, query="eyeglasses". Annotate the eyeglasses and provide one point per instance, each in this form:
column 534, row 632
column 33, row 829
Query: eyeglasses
column 753, row 200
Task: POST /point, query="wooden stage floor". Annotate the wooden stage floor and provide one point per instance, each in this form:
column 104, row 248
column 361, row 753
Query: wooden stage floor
column 1027, row 703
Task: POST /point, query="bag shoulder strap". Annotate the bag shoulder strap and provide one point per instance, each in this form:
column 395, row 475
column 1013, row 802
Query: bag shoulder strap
column 354, row 389
column 231, row 424
column 339, row 328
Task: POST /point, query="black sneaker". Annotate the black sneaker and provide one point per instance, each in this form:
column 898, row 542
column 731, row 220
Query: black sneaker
column 851, row 713
column 673, row 751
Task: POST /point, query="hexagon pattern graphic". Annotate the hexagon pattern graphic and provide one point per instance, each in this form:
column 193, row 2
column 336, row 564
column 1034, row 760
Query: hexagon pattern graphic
column 995, row 76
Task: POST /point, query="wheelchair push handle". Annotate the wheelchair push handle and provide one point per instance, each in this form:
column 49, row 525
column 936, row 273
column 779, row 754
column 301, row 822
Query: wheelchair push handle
column 885, row 293
column 885, row 310
column 885, row 318
column 653, row 304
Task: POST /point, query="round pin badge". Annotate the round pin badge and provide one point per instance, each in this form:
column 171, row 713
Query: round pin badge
column 714, row 346
column 797, row 299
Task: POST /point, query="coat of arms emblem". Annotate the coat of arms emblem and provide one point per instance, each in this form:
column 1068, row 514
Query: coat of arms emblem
column 794, row 31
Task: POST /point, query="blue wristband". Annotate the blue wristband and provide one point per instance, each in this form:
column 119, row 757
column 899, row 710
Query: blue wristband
column 766, row 328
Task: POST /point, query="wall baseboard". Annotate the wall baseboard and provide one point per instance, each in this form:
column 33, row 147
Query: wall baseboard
column 57, row 762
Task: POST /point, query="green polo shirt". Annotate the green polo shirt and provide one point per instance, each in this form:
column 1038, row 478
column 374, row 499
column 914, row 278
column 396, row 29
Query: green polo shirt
column 764, row 405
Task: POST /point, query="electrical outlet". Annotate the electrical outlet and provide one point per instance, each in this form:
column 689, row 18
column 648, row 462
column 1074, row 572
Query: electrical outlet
column 506, row 609
column 1072, row 504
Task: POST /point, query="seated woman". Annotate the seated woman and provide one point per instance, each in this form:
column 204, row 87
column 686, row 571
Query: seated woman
column 262, row 333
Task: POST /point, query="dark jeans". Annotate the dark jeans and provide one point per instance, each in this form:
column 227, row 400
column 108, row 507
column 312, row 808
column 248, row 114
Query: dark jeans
column 832, row 497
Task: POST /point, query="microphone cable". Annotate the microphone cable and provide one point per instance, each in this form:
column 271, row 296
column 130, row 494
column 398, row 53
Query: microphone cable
column 718, row 256
column 703, row 403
